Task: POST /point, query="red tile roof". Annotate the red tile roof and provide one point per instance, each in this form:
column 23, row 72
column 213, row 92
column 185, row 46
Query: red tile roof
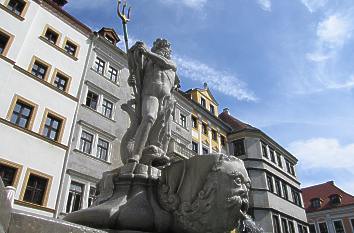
column 324, row 191
column 236, row 124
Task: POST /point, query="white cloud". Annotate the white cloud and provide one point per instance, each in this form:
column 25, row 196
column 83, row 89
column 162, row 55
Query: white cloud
column 317, row 56
column 221, row 81
column 348, row 84
column 314, row 5
column 265, row 4
column 334, row 30
column 194, row 4
column 326, row 153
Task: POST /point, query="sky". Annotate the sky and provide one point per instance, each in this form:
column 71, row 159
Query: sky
column 283, row 66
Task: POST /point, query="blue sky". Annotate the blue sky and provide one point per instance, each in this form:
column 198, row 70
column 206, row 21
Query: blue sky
column 284, row 66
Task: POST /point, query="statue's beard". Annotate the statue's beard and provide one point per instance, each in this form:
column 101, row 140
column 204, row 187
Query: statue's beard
column 240, row 202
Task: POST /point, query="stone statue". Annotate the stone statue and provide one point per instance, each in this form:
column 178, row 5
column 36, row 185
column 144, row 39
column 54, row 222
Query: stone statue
column 153, row 77
column 7, row 196
column 207, row 193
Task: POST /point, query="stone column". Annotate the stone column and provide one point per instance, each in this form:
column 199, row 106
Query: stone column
column 210, row 140
column 200, row 143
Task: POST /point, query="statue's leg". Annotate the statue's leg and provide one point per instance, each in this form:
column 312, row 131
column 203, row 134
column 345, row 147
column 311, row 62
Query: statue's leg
column 149, row 110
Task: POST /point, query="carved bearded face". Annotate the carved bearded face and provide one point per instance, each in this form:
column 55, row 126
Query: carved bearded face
column 234, row 185
column 162, row 47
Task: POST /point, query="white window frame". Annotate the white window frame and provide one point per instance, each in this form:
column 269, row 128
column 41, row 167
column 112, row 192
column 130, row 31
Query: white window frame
column 99, row 107
column 319, row 229
column 96, row 136
column 335, row 220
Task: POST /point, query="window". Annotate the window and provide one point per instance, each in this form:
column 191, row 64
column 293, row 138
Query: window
column 300, row 228
column 107, row 108
column 22, row 114
column 312, row 228
column 8, row 174
column 214, row 135
column 272, row 155
column 270, row 183
column 296, row 197
column 316, row 203
column 277, row 187
column 205, row 151
column 99, row 65
column 222, row 140
column 75, row 197
column 91, row 100
column 284, row 225
column 202, row 102
column 5, row 40
column 194, row 122
column 113, row 74
column 212, row 109
column 276, row 225
column 52, row 127
column 86, row 142
column 70, row 48
column 183, row 120
column 195, row 147
column 279, row 160
column 335, row 199
column 16, row 6
column 40, row 69
column 239, row 147
column 204, row 129
column 291, row 226
column 352, row 222
column 338, row 226
column 102, row 149
column 51, row 36
column 285, row 191
column 35, row 189
column 323, row 227
column 92, row 196
column 60, row 82
column 264, row 150
column 290, row 168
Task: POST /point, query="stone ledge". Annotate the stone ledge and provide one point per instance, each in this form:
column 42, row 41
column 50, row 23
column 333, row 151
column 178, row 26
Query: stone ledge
column 25, row 222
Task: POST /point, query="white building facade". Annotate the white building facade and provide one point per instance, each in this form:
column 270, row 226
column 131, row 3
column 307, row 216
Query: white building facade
column 43, row 54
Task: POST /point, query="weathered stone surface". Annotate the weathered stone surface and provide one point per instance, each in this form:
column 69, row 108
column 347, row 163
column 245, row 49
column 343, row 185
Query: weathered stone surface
column 28, row 223
column 6, row 204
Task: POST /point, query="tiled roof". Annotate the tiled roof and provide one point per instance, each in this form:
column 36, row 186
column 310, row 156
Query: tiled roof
column 324, row 191
column 236, row 124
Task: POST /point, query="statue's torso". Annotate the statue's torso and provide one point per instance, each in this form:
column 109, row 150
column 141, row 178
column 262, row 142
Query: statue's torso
column 157, row 81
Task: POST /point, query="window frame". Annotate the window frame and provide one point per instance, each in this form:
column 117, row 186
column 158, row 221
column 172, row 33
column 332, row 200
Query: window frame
column 66, row 40
column 214, row 133
column 110, row 74
column 24, row 10
column 203, row 100
column 319, row 228
column 238, row 142
column 197, row 146
column 26, row 101
column 264, row 148
column 104, row 107
column 82, row 197
column 212, row 109
column 8, row 43
column 96, row 66
column 49, row 178
column 222, row 140
column 92, row 142
column 314, row 227
column 194, row 120
column 16, row 166
column 68, row 78
column 270, row 183
column 107, row 149
column 204, row 149
column 183, row 120
column 62, row 126
column 37, row 59
column 206, row 128
column 275, row 219
column 338, row 220
column 48, row 27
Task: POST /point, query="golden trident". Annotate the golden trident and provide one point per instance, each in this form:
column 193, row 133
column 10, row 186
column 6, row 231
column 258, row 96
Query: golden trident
column 125, row 19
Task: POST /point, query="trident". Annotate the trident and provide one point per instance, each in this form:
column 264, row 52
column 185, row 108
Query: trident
column 125, row 19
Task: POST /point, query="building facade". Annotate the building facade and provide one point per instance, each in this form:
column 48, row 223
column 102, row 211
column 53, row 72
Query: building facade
column 99, row 122
column 42, row 55
column 275, row 197
column 329, row 209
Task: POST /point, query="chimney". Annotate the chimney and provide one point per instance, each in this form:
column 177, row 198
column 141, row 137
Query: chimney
column 205, row 85
column 226, row 110
column 60, row 3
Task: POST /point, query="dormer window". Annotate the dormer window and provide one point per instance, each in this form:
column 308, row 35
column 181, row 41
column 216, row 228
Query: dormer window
column 315, row 203
column 110, row 39
column 335, row 199
column 202, row 102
